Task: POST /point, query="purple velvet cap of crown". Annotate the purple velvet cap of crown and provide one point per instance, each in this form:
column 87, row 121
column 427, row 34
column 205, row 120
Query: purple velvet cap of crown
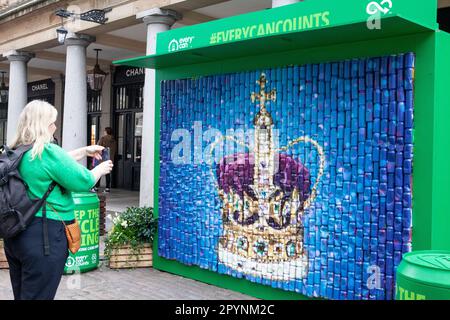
column 235, row 172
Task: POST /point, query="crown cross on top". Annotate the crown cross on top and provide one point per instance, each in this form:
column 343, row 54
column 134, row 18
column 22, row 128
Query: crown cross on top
column 263, row 96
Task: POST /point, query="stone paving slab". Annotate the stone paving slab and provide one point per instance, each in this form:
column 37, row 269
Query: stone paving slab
column 130, row 284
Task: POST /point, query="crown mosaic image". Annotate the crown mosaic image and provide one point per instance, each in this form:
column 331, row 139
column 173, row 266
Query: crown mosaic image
column 316, row 200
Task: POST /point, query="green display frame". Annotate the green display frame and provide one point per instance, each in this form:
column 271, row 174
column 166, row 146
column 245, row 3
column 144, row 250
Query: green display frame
column 431, row 218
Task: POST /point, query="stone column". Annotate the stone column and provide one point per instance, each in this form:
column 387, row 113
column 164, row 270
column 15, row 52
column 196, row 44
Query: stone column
column 75, row 93
column 17, row 98
column 280, row 3
column 157, row 21
column 59, row 82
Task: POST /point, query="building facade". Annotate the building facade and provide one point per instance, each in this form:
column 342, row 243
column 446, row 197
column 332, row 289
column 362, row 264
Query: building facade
column 319, row 200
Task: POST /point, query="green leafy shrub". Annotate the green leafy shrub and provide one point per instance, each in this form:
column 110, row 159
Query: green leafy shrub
column 134, row 227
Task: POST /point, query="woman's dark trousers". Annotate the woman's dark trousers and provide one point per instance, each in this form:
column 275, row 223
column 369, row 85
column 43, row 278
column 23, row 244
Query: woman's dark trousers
column 35, row 276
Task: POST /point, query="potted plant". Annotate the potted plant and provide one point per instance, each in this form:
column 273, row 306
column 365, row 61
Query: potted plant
column 129, row 243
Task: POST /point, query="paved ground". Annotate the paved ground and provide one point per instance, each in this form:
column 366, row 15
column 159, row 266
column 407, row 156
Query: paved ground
column 118, row 200
column 128, row 284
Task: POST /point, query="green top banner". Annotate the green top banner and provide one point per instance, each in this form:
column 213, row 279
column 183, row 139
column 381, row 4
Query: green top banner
column 303, row 16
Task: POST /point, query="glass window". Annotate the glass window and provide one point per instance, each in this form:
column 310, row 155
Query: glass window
column 141, row 96
column 138, row 124
column 3, row 132
column 137, row 149
column 129, row 97
column 94, row 101
column 129, row 136
column 93, row 134
column 122, row 98
column 120, row 134
column 138, row 121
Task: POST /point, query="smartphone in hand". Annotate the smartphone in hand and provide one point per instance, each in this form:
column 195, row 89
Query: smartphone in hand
column 106, row 154
column 105, row 157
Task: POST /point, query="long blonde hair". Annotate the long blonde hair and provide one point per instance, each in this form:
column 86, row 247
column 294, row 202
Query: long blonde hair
column 33, row 126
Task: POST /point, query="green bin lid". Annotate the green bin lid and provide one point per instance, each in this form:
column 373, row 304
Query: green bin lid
column 85, row 198
column 84, row 194
column 428, row 267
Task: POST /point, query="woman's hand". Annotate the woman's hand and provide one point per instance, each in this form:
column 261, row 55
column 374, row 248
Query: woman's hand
column 102, row 169
column 105, row 167
column 94, row 151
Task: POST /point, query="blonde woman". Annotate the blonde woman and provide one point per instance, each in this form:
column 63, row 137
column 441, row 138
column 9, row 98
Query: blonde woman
column 35, row 274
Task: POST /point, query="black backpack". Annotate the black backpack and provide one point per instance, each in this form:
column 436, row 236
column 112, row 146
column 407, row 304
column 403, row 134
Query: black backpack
column 17, row 209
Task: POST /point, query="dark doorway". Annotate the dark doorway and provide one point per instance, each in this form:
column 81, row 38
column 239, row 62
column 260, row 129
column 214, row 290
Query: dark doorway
column 129, row 136
column 128, row 117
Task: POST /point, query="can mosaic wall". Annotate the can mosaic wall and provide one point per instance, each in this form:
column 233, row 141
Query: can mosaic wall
column 298, row 177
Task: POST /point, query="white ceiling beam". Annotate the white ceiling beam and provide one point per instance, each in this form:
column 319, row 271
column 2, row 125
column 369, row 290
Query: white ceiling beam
column 192, row 17
column 120, row 42
column 60, row 57
column 44, row 72
column 36, row 71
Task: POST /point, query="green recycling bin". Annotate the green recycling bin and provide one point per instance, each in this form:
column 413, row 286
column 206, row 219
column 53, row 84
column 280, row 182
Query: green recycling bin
column 87, row 212
column 424, row 275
